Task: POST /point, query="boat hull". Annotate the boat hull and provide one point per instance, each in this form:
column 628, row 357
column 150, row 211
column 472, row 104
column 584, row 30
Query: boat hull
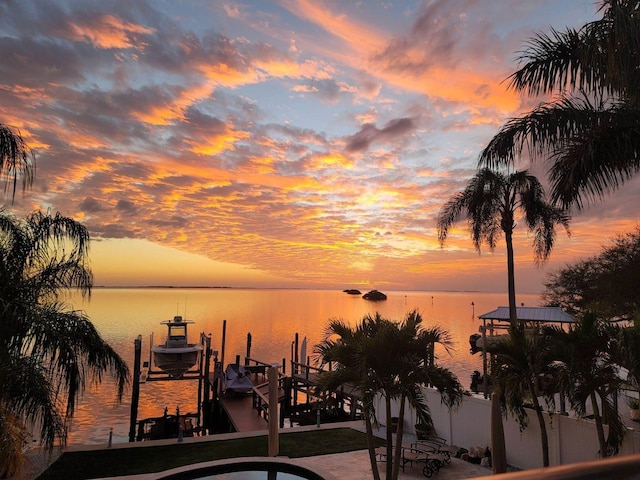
column 176, row 361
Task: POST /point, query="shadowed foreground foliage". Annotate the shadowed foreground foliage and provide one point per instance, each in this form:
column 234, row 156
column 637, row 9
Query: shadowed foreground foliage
column 133, row 461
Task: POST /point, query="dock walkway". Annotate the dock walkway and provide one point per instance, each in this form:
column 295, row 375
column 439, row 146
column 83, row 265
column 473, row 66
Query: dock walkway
column 241, row 413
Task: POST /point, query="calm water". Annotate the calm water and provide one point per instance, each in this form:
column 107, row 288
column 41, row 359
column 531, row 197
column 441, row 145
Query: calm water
column 273, row 317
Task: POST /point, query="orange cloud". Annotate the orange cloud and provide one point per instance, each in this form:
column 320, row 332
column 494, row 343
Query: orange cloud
column 109, row 31
column 216, row 144
column 471, row 85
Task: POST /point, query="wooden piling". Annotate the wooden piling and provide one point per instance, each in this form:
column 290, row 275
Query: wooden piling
column 286, row 402
column 274, row 443
column 248, row 356
column 201, row 378
column 295, row 354
column 224, row 339
column 135, row 392
column 207, row 354
column 206, row 402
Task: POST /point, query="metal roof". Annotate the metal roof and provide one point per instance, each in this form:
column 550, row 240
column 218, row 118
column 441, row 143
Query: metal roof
column 530, row 314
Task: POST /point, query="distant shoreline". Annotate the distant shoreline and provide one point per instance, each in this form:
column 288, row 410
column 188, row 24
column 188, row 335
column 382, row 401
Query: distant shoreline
column 202, row 287
column 160, row 286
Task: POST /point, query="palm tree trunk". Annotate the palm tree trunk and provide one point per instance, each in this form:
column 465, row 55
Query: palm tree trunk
column 498, row 447
column 599, row 427
column 543, row 426
column 511, row 276
column 399, row 433
column 389, row 469
column 371, row 445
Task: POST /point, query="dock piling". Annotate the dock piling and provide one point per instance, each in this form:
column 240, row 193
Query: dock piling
column 274, row 443
column 224, row 339
column 248, row 356
column 135, row 394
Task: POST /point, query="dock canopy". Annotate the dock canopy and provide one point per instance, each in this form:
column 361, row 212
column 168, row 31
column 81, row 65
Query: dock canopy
column 530, row 314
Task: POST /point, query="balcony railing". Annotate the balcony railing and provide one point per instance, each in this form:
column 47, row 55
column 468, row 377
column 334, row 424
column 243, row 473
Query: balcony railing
column 624, row 467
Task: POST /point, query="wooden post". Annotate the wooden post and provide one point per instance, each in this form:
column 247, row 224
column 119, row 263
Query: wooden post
column 286, row 402
column 274, row 444
column 485, row 376
column 248, row 356
column 224, row 337
column 150, row 354
column 295, row 354
column 135, row 391
column 206, row 416
column 203, row 355
column 207, row 363
column 293, row 370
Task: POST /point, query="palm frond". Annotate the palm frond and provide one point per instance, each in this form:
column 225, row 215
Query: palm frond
column 48, row 354
column 16, row 159
column 590, row 131
column 597, row 161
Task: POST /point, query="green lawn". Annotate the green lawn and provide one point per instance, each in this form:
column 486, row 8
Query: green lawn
column 132, row 461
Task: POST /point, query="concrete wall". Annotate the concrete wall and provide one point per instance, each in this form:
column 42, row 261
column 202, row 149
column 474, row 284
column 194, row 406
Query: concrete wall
column 570, row 439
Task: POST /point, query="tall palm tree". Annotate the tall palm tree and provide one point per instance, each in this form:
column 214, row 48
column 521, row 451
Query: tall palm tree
column 48, row 353
column 380, row 356
column 521, row 360
column 585, row 357
column 591, row 132
column 490, row 203
column 16, row 159
column 351, row 350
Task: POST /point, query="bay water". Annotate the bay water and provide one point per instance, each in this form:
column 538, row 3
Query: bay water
column 272, row 316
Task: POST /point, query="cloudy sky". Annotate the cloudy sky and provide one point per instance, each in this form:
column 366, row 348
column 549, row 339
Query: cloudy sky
column 306, row 143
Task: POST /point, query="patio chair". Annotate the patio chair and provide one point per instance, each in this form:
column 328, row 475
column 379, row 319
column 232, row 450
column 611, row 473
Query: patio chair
column 432, row 460
column 436, row 447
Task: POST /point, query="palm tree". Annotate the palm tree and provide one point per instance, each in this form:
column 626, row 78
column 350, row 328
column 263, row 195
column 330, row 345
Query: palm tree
column 48, row 353
column 380, row 356
column 350, row 350
column 490, row 202
column 16, row 159
column 585, row 357
column 629, row 352
column 521, row 360
column 591, row 132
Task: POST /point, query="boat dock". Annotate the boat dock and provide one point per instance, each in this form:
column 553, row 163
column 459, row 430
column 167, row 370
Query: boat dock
column 222, row 410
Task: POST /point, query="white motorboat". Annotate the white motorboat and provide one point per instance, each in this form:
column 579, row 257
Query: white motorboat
column 176, row 356
column 236, row 379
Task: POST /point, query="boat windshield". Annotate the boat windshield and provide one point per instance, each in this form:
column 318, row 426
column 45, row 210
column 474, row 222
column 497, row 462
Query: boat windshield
column 177, row 332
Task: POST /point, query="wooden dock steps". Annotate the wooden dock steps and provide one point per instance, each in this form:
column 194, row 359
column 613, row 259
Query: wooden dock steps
column 240, row 410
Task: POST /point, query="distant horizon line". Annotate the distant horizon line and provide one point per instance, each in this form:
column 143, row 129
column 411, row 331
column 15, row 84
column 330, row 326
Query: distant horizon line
column 220, row 287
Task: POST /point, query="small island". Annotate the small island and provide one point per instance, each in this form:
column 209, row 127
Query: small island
column 374, row 296
column 352, row 291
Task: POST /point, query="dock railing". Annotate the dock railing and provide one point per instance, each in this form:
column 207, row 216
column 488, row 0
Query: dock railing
column 261, row 368
column 261, row 397
column 305, row 372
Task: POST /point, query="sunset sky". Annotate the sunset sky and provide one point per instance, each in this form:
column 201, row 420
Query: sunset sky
column 292, row 143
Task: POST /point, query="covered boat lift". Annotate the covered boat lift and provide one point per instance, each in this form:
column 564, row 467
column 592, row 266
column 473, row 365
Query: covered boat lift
column 499, row 319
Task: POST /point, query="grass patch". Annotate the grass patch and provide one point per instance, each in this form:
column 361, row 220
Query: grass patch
column 133, row 461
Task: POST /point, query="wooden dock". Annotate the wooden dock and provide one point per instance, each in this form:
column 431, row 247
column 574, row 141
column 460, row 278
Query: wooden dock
column 249, row 413
column 241, row 413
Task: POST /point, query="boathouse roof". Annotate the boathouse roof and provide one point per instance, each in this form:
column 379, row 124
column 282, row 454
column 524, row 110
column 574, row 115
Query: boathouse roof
column 530, row 314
